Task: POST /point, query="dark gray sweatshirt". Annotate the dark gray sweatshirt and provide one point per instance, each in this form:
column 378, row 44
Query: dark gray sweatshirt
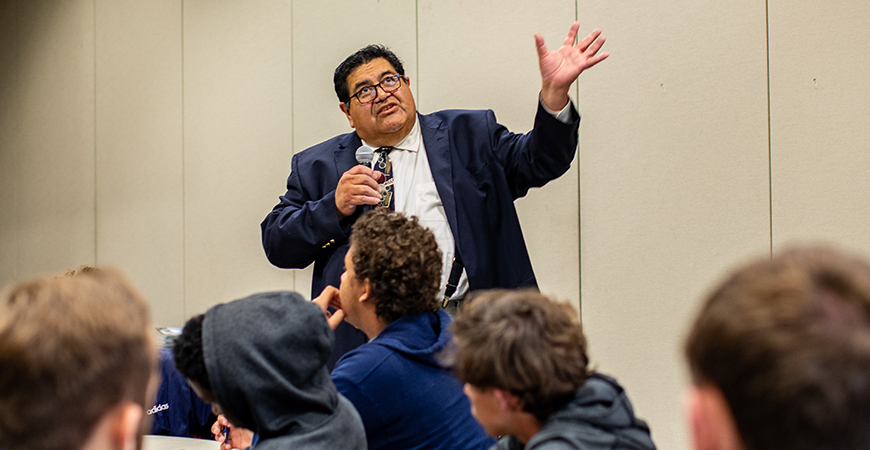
column 599, row 418
column 265, row 356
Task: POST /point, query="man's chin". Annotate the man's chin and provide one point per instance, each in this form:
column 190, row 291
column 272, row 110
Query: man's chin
column 392, row 123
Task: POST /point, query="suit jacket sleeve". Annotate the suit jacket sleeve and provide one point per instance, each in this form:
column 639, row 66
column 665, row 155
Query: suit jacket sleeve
column 539, row 156
column 304, row 224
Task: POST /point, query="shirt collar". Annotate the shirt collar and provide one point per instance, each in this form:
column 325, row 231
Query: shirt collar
column 411, row 143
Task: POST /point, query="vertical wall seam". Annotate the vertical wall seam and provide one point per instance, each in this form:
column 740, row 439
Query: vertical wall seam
column 417, row 49
column 769, row 134
column 183, row 186
column 96, row 244
column 579, row 203
column 19, row 103
column 294, row 273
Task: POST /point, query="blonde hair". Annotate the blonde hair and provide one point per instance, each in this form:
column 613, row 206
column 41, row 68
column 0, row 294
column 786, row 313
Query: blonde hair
column 71, row 348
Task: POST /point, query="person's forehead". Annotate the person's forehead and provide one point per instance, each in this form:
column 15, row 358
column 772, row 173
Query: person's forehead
column 348, row 257
column 370, row 72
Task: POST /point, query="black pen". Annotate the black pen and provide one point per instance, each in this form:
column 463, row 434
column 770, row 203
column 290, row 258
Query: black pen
column 227, row 435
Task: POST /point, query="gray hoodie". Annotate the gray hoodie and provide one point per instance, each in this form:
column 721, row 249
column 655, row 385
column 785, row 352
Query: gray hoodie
column 599, row 418
column 265, row 356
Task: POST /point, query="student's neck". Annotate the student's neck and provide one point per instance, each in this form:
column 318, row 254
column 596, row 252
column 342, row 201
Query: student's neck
column 525, row 427
column 372, row 325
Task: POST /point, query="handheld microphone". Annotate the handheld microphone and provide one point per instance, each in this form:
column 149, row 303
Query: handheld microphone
column 365, row 155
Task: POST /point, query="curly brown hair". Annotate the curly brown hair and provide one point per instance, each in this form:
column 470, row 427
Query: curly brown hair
column 401, row 260
column 521, row 342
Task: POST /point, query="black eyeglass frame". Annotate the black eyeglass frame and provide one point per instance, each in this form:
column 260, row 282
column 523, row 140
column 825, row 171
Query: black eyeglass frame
column 379, row 85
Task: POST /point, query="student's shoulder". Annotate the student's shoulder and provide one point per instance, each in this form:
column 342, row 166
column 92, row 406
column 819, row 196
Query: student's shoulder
column 361, row 363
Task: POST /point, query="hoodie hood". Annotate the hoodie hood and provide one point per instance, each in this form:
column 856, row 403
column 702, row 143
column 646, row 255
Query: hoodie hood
column 265, row 356
column 599, row 417
column 419, row 337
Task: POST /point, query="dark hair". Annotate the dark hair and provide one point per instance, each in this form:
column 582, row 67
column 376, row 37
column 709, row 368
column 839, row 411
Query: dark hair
column 188, row 353
column 787, row 342
column 71, row 349
column 524, row 343
column 362, row 56
column 402, row 261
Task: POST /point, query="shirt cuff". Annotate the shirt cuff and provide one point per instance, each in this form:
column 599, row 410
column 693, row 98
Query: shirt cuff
column 563, row 116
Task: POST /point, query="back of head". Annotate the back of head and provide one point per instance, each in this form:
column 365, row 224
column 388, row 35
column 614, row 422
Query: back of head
column 263, row 359
column 71, row 349
column 358, row 58
column 524, row 343
column 402, row 261
column 787, row 342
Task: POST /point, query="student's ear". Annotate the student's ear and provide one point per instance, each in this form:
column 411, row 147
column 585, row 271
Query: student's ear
column 710, row 418
column 125, row 432
column 508, row 401
column 367, row 290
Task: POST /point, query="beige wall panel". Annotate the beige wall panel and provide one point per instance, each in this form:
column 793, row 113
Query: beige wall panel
column 674, row 184
column 318, row 49
column 325, row 33
column 9, row 133
column 56, row 153
column 482, row 55
column 139, row 149
column 237, row 132
column 819, row 119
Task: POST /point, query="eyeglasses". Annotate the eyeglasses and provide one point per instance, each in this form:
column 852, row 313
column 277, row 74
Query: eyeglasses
column 368, row 94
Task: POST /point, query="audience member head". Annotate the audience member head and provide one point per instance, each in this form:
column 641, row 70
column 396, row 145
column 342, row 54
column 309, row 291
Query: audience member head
column 392, row 269
column 76, row 360
column 520, row 355
column 780, row 355
column 261, row 361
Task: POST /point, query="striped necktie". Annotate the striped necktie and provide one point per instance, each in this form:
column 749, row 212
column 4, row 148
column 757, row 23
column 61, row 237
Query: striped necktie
column 385, row 166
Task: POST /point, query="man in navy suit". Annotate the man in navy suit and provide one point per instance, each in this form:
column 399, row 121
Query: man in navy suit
column 458, row 171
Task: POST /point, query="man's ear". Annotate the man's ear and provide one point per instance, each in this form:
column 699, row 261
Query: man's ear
column 710, row 418
column 126, row 426
column 346, row 110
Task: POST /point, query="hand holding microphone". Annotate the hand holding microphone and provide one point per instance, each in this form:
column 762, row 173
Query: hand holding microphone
column 359, row 185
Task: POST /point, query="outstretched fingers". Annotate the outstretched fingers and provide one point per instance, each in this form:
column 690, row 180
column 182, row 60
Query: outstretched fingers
column 572, row 34
column 584, row 44
column 597, row 59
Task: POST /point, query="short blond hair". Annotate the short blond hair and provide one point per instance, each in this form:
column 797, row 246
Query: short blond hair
column 71, row 348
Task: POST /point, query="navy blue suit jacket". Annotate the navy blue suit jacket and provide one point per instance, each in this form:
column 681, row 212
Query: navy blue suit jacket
column 479, row 168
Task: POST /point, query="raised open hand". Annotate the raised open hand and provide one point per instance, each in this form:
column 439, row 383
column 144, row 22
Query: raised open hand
column 559, row 68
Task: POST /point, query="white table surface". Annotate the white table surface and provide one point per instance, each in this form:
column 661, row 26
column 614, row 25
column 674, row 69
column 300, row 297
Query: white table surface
column 178, row 443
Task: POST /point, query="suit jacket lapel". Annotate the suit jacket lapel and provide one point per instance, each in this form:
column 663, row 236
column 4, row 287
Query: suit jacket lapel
column 345, row 154
column 437, row 141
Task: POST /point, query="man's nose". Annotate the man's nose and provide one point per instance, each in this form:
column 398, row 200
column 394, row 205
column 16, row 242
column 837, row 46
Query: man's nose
column 381, row 93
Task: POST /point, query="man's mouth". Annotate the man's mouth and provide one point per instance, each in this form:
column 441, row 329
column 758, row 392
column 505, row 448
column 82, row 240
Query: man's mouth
column 388, row 108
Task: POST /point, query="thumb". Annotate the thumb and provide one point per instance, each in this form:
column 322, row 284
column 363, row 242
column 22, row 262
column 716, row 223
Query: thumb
column 539, row 44
column 336, row 319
